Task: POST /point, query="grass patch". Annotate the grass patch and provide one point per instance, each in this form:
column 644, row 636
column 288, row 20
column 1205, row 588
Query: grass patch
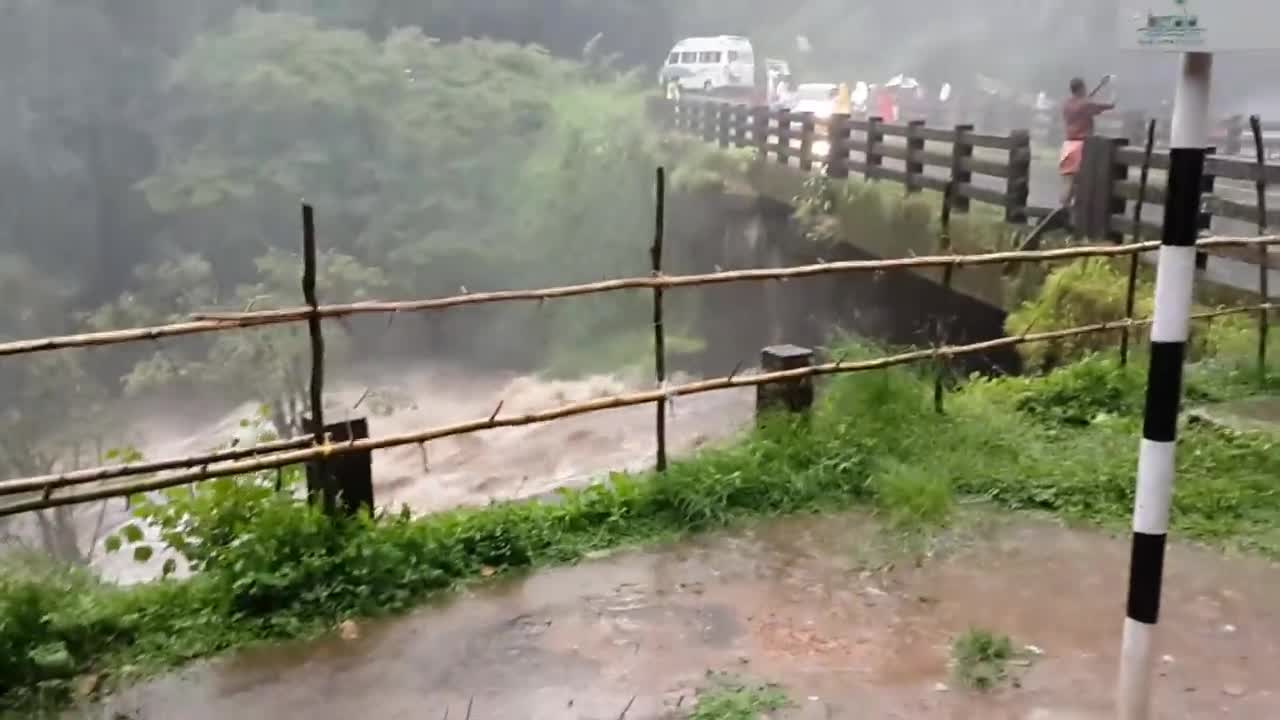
column 911, row 496
column 731, row 699
column 980, row 659
column 272, row 569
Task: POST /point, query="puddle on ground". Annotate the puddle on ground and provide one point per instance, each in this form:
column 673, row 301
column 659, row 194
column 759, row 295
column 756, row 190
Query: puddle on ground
column 808, row 603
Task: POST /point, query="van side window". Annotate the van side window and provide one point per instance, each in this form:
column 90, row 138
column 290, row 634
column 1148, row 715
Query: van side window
column 673, row 58
column 689, row 58
column 709, row 57
column 733, row 56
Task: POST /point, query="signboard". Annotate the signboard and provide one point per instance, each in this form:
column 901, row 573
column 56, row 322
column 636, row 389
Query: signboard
column 1198, row 25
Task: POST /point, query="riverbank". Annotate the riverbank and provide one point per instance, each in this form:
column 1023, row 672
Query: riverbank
column 271, row 570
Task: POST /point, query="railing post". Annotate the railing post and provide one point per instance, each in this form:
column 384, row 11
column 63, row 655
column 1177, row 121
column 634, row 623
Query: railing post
column 1117, row 206
column 1205, row 218
column 710, row 113
column 1018, row 187
column 784, row 137
column 342, row 483
column 740, row 120
column 806, row 141
column 915, row 144
column 794, row 396
column 724, row 117
column 961, row 176
column 838, row 132
column 1095, row 188
column 875, row 137
column 760, row 131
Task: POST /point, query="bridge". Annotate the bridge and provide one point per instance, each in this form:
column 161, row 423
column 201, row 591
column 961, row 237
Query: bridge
column 1008, row 174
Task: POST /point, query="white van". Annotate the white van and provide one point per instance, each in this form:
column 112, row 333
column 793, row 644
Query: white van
column 709, row 63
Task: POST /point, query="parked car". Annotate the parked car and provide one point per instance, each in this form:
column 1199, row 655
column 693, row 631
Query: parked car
column 710, row 63
column 819, row 99
column 816, row 98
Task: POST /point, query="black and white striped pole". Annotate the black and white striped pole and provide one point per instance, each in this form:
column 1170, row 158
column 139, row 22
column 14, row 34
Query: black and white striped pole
column 1175, row 279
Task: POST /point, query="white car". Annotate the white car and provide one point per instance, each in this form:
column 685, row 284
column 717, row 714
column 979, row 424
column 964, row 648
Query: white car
column 816, row 98
column 819, row 99
column 710, row 63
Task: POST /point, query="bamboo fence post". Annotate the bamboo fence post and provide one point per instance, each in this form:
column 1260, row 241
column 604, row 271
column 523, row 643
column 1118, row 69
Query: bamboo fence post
column 943, row 326
column 659, row 334
column 1264, row 269
column 309, row 270
column 1131, row 296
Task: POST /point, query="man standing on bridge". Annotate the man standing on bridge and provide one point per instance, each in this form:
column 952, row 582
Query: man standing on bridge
column 1077, row 120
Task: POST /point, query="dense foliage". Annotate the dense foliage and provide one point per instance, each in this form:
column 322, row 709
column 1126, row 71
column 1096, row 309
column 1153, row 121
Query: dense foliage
column 433, row 164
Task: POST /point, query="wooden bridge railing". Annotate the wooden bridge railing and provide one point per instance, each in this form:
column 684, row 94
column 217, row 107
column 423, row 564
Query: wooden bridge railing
column 984, row 168
column 1109, row 184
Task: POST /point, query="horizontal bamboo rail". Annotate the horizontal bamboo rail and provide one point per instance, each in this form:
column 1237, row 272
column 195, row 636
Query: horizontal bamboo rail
column 46, row 484
column 295, row 457
column 214, row 322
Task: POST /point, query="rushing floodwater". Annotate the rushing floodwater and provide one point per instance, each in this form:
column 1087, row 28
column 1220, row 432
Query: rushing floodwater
column 474, row 469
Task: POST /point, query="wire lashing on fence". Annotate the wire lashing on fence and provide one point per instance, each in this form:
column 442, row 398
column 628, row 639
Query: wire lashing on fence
column 287, row 458
column 226, row 321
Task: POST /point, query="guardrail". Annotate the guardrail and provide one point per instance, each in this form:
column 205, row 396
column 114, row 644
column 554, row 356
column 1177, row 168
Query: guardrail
column 1108, row 183
column 985, row 168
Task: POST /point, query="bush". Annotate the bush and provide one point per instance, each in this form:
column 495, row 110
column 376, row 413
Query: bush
column 1082, row 392
column 1085, row 292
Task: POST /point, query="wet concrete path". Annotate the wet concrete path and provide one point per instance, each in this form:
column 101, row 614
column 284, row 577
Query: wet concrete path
column 815, row 605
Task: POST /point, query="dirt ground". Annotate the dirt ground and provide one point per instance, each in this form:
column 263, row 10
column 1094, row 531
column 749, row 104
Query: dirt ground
column 849, row 624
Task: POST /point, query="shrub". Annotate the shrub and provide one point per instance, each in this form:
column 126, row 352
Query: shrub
column 1085, row 292
column 1081, row 392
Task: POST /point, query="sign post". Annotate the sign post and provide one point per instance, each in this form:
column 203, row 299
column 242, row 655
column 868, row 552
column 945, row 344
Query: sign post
column 1196, row 28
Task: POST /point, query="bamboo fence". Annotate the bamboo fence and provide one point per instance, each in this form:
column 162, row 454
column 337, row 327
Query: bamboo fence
column 1264, row 270
column 1131, row 295
column 286, row 458
column 225, row 321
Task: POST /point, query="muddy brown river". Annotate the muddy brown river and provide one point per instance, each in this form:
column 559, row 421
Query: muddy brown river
column 467, row 470
column 850, row 629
